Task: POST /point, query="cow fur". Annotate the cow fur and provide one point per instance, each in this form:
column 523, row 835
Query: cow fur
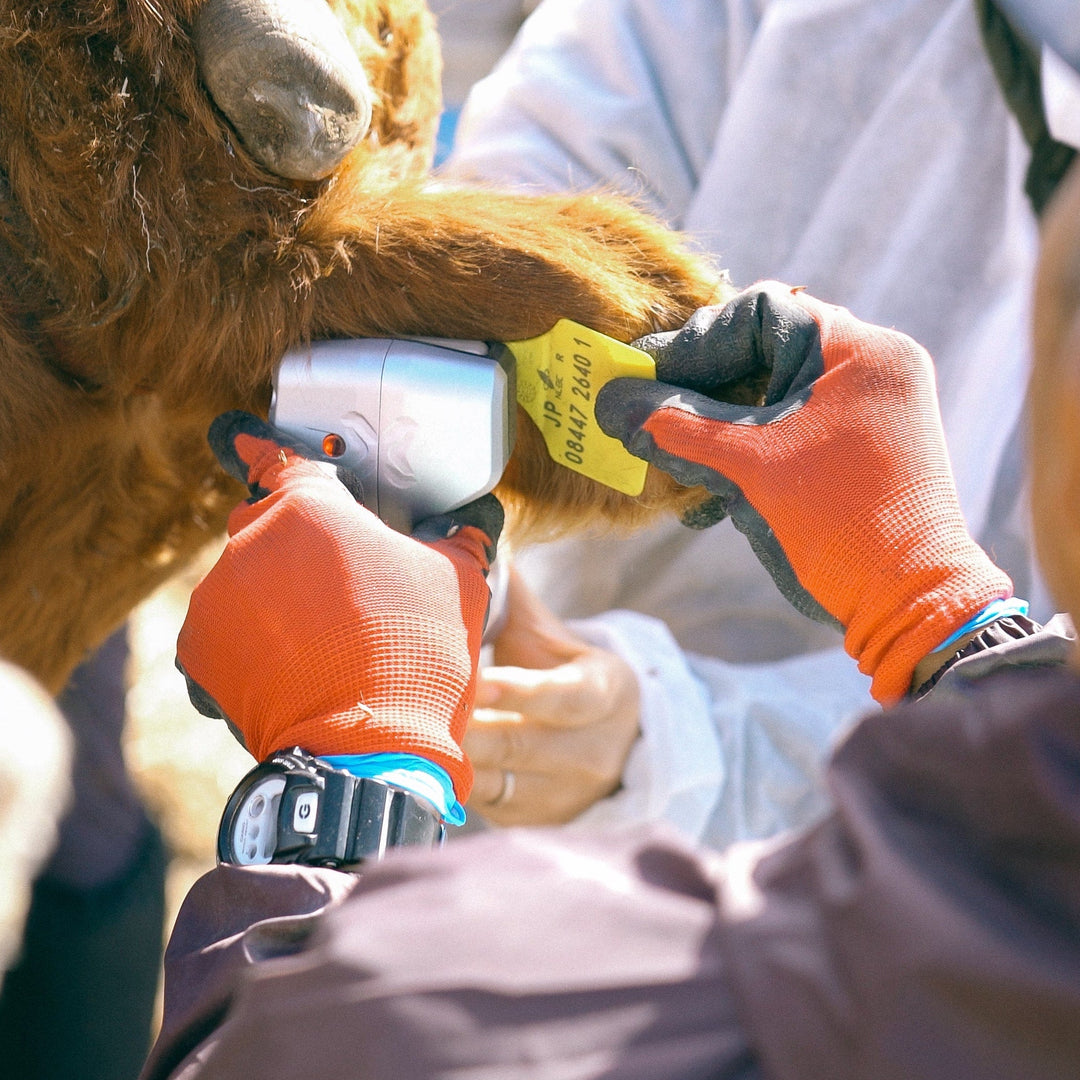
column 156, row 273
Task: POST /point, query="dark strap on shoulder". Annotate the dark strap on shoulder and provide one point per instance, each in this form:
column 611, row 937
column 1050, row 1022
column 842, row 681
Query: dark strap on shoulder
column 1018, row 69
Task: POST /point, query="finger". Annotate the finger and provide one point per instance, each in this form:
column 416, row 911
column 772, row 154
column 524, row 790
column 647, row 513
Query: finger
column 246, row 445
column 553, row 696
column 533, row 799
column 624, row 406
column 669, row 430
column 507, row 797
column 202, row 701
column 768, row 327
column 482, row 519
column 495, row 739
column 485, row 514
column 706, row 514
column 704, row 353
column 488, row 787
column 531, row 635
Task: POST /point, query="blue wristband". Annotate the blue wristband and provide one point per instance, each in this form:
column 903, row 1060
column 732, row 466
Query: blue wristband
column 408, row 771
column 996, row 609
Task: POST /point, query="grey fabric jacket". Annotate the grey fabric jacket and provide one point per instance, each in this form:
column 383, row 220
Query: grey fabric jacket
column 927, row 927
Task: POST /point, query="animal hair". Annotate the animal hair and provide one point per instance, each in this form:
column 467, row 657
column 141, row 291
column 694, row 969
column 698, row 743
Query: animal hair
column 155, row 273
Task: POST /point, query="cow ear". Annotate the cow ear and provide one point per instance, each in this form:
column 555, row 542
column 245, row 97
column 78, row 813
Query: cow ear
column 285, row 76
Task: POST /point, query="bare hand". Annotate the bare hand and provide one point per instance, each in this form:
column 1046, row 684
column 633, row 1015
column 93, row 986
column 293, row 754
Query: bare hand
column 555, row 719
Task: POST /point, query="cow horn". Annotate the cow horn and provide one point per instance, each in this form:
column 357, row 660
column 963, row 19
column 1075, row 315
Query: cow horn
column 285, row 75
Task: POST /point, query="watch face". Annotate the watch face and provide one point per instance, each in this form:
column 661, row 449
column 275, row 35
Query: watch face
column 296, row 808
column 254, row 828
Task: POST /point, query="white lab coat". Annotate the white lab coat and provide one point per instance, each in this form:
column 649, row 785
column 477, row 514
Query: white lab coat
column 859, row 148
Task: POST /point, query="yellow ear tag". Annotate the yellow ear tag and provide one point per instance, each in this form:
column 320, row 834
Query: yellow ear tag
column 558, row 377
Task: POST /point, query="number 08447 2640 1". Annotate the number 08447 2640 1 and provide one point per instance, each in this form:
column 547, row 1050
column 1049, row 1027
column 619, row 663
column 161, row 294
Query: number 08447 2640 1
column 559, row 375
column 577, row 420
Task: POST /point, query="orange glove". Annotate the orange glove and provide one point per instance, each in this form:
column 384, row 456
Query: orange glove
column 321, row 627
column 841, row 481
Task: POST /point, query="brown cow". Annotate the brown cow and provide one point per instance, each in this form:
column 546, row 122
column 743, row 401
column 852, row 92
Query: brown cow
column 153, row 269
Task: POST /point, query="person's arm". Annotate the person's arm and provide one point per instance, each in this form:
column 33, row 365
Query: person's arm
column 391, row 976
column 633, row 945
column 849, row 458
column 623, row 93
column 322, row 628
column 631, row 93
column 235, row 922
column 936, row 898
column 721, row 751
column 292, row 647
column 509, row 954
column 840, row 481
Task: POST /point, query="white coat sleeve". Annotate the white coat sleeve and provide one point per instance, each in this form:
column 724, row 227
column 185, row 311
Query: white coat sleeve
column 727, row 752
column 602, row 92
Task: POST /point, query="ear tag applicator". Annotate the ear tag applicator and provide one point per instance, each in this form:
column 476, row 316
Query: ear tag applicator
column 558, row 377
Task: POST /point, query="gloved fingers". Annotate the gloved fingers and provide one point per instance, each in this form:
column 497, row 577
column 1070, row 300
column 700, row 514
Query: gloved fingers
column 246, row 446
column 705, row 514
column 204, row 703
column 565, row 696
column 483, row 516
column 253, row 451
column 684, row 356
column 766, row 328
column 627, row 410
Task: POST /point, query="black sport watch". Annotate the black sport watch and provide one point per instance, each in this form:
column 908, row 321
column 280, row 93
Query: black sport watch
column 295, row 808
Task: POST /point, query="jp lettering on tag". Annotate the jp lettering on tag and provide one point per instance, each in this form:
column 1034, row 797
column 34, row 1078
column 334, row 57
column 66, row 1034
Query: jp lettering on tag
column 558, row 377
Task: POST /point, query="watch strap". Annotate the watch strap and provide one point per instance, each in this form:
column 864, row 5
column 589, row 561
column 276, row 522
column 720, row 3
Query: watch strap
column 328, row 817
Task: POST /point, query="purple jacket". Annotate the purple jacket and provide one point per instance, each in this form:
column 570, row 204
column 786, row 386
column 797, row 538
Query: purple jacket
column 927, row 927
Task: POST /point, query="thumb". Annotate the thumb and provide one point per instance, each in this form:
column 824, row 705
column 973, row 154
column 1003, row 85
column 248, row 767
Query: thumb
column 717, row 345
column 624, row 406
column 626, row 410
column 474, row 527
column 247, row 447
column 270, row 463
column 532, row 636
column 255, row 453
column 552, row 695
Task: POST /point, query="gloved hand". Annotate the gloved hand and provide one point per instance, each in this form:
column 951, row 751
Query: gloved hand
column 320, row 626
column 841, row 480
